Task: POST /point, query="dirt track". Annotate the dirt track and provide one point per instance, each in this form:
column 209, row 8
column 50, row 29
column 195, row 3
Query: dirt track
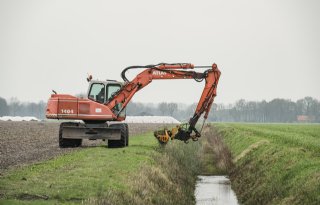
column 27, row 142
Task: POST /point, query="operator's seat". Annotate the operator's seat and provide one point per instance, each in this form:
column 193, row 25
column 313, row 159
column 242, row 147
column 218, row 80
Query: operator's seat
column 100, row 96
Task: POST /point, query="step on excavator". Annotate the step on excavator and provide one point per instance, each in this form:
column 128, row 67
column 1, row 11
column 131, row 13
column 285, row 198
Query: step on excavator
column 99, row 114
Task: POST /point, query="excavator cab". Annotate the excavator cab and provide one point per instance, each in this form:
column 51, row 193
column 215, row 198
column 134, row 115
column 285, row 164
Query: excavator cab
column 97, row 92
column 102, row 91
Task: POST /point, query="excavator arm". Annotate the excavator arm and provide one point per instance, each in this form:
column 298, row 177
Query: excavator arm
column 164, row 71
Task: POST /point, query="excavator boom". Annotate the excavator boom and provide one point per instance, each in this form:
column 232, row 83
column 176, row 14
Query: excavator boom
column 172, row 71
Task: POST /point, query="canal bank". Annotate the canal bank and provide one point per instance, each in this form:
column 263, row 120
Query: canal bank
column 213, row 185
column 274, row 163
column 171, row 176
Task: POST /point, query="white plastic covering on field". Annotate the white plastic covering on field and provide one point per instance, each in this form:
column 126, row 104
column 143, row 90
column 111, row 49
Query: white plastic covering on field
column 151, row 119
column 18, row 118
column 129, row 119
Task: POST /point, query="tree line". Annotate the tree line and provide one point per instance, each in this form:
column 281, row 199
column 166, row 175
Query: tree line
column 276, row 110
column 14, row 107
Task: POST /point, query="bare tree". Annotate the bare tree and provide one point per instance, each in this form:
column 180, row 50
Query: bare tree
column 163, row 107
column 4, row 108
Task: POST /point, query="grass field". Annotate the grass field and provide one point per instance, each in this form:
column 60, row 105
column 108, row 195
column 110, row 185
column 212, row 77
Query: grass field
column 142, row 173
column 77, row 176
column 274, row 163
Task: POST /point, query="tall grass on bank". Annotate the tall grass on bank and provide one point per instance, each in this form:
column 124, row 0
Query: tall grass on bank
column 172, row 176
column 274, row 163
column 216, row 157
column 170, row 179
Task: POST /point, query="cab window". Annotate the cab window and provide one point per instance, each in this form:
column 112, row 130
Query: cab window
column 111, row 89
column 97, row 92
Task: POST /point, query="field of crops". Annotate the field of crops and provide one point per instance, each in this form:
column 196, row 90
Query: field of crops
column 274, row 163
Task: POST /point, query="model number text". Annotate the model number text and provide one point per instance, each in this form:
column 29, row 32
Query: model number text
column 66, row 111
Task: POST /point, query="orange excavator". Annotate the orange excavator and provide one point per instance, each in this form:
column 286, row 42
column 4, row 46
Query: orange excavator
column 106, row 102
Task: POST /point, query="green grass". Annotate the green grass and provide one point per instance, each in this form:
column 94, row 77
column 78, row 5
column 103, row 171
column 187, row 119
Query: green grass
column 170, row 179
column 77, row 176
column 143, row 173
column 274, row 163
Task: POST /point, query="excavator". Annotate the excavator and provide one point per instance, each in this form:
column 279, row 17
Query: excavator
column 99, row 114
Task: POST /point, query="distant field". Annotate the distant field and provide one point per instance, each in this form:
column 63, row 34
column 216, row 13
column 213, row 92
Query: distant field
column 274, row 163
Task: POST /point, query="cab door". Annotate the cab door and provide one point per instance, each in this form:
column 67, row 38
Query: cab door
column 112, row 88
column 97, row 92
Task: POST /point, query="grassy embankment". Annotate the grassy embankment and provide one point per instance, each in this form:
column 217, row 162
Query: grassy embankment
column 142, row 173
column 274, row 163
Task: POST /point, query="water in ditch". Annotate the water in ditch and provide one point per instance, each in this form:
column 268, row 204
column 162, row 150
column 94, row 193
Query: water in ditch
column 214, row 190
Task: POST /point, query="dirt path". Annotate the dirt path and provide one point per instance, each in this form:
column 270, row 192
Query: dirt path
column 27, row 142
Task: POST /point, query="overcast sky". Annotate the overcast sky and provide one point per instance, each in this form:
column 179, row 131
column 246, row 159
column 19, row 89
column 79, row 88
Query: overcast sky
column 264, row 49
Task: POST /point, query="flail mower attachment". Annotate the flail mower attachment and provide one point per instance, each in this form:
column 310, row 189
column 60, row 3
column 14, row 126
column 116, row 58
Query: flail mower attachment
column 181, row 132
